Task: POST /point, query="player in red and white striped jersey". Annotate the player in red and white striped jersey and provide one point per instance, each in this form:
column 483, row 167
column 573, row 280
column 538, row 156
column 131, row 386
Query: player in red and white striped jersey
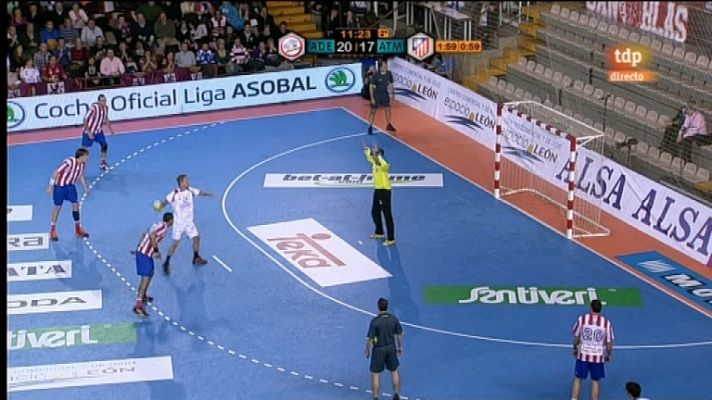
column 96, row 118
column 593, row 346
column 146, row 251
column 62, row 187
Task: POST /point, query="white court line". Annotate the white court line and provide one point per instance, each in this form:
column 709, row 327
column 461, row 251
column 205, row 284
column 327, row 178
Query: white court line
column 612, row 261
column 222, row 263
column 362, row 311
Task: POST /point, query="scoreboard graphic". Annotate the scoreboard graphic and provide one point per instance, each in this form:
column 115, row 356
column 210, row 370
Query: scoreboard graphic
column 375, row 43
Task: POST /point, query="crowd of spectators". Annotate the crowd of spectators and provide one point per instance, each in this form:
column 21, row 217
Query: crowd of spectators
column 57, row 46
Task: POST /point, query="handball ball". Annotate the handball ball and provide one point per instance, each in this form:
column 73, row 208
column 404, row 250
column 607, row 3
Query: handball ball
column 157, row 205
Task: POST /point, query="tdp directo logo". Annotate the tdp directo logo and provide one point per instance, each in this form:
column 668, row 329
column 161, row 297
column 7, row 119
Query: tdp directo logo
column 340, row 80
column 15, row 114
column 627, row 64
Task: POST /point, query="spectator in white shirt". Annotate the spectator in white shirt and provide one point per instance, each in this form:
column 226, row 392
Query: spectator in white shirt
column 238, row 57
column 694, row 129
column 112, row 66
column 90, row 33
column 78, row 17
column 30, row 76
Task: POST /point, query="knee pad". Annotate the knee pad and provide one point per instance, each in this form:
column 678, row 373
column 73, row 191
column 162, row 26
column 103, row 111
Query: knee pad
column 104, row 147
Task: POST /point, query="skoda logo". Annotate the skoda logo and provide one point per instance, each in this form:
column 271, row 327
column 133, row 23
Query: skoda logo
column 340, row 80
column 15, row 114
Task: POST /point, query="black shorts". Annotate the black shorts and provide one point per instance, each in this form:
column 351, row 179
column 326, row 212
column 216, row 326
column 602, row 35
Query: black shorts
column 384, row 357
column 381, row 101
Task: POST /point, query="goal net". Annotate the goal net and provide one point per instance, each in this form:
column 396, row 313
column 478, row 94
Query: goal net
column 543, row 153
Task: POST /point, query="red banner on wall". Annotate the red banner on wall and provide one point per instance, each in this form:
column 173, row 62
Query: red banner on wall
column 663, row 18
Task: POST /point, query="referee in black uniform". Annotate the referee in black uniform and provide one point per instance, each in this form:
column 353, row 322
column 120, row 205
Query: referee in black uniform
column 383, row 344
column 381, row 88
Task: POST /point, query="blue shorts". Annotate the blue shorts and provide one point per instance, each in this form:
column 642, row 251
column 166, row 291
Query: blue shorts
column 144, row 265
column 582, row 369
column 98, row 137
column 62, row 193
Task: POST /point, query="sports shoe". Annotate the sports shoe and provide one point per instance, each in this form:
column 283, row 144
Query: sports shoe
column 81, row 232
column 199, row 261
column 396, row 397
column 370, row 130
column 140, row 311
column 389, row 243
column 376, row 236
column 166, row 268
column 53, row 235
column 391, row 128
column 104, row 165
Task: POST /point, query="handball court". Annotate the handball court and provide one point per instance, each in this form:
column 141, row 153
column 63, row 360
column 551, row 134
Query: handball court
column 250, row 324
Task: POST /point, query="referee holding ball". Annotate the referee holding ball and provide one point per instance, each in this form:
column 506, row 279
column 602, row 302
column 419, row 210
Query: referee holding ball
column 381, row 88
column 381, row 195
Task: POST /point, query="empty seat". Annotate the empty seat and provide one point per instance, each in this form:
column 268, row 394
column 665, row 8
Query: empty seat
column 548, row 103
column 527, row 96
column 510, row 88
column 702, row 62
column 522, row 62
column 573, row 15
column 634, row 37
column 653, row 154
column 588, row 90
column 676, row 166
column 689, row 171
column 598, row 126
column 559, row 108
column 555, row 9
column 702, row 175
column 623, row 34
column 664, row 120
column 645, row 41
column 641, row 111
column 566, row 81
column 630, row 107
column 493, row 81
column 519, row 93
column 598, row 93
column 664, row 160
column 578, row 86
column 691, row 57
column 564, row 12
column 641, row 149
column 619, row 102
column 536, row 99
column 656, row 45
column 667, row 48
column 539, row 69
column 548, row 73
column 531, row 64
column 502, row 84
column 678, row 53
column 557, row 76
column 652, row 116
column 619, row 137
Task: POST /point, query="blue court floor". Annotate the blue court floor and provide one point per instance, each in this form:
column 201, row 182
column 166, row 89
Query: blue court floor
column 252, row 325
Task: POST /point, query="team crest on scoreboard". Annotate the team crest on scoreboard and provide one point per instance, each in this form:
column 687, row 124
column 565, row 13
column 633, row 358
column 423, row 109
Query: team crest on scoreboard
column 292, row 46
column 421, row 46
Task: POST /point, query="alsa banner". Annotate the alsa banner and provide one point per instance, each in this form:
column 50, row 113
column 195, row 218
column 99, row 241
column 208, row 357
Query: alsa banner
column 657, row 210
column 460, row 108
column 27, row 113
column 663, row 18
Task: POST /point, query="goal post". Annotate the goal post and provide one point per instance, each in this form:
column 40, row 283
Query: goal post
column 536, row 150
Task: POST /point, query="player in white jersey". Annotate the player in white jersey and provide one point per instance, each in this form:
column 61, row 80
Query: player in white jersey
column 593, row 346
column 146, row 251
column 181, row 199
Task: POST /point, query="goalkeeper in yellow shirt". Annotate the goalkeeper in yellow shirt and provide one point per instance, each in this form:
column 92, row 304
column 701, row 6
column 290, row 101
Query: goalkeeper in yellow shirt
column 381, row 195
